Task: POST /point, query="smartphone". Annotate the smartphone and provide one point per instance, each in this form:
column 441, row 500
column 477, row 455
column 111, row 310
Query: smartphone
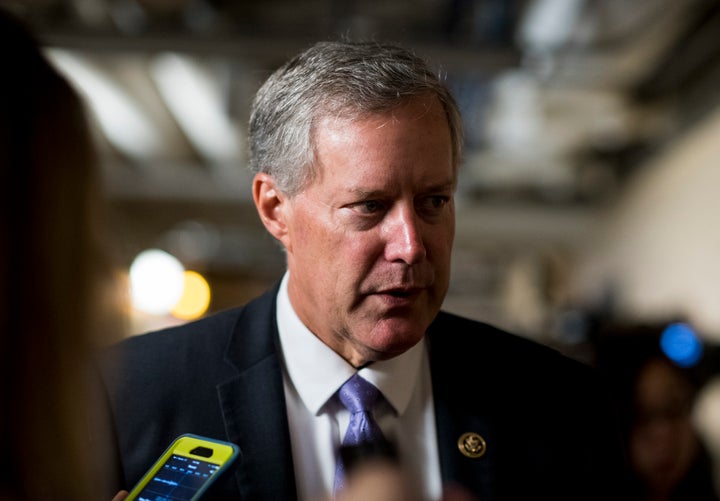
column 185, row 470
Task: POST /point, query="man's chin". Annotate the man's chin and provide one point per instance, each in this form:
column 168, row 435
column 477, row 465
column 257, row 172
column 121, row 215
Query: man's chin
column 395, row 338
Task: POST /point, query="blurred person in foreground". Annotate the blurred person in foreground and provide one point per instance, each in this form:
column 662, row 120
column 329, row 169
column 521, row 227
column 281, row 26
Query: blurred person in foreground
column 654, row 399
column 53, row 270
column 356, row 149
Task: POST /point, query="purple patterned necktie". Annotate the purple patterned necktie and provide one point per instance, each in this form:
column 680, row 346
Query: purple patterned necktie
column 358, row 396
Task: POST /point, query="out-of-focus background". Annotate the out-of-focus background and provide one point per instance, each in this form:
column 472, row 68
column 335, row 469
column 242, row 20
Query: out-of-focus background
column 590, row 191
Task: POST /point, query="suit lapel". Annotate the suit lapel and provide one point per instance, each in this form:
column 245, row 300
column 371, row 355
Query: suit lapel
column 461, row 408
column 253, row 405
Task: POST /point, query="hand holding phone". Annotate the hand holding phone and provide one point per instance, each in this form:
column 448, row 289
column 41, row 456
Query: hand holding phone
column 185, row 470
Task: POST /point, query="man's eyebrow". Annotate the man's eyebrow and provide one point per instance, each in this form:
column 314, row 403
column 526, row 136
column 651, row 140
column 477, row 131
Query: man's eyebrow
column 370, row 193
column 363, row 193
column 449, row 185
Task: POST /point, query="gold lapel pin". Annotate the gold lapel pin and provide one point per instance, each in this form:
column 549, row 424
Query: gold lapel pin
column 472, row 445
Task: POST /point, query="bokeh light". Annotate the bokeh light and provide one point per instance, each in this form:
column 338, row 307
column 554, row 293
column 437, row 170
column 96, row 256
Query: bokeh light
column 156, row 281
column 195, row 298
column 681, row 344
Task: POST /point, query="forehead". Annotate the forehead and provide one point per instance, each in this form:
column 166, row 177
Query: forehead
column 411, row 137
column 419, row 107
column 413, row 118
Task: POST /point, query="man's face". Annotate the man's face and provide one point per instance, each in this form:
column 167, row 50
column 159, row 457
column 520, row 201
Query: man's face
column 369, row 240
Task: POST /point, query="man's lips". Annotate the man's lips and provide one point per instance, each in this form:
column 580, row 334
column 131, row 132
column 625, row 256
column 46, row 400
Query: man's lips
column 400, row 292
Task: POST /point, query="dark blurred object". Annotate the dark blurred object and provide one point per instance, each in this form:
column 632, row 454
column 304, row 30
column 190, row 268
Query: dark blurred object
column 54, row 273
column 354, row 456
column 373, row 471
column 654, row 398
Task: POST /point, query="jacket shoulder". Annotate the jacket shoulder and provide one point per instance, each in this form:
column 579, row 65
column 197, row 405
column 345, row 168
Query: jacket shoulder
column 207, row 335
column 469, row 350
column 204, row 340
column 453, row 332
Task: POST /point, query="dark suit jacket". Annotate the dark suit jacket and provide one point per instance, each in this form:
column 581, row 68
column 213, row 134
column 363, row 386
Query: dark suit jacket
column 544, row 421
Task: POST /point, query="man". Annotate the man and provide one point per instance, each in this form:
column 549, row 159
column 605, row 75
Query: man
column 355, row 149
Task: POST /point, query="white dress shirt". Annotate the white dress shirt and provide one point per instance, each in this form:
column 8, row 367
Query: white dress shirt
column 312, row 375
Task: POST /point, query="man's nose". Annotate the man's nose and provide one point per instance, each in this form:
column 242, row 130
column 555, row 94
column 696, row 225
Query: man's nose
column 404, row 239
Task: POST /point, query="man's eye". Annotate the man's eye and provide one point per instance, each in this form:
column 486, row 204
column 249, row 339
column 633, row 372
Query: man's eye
column 369, row 206
column 434, row 203
column 439, row 201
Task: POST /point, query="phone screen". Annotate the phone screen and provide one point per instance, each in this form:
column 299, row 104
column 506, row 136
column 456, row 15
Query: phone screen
column 178, row 479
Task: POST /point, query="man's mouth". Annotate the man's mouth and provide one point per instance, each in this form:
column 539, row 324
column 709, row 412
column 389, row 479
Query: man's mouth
column 401, row 292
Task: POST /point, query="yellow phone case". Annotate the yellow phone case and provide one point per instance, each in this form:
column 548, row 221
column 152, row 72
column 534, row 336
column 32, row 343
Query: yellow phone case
column 193, row 453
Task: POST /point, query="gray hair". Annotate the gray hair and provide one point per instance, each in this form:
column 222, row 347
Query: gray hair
column 354, row 79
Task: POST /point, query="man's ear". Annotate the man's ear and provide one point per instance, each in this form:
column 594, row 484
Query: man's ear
column 271, row 205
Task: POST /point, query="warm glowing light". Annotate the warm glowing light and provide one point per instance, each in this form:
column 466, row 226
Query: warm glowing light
column 195, row 298
column 156, row 281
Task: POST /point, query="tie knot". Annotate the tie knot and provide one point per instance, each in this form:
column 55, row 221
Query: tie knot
column 358, row 395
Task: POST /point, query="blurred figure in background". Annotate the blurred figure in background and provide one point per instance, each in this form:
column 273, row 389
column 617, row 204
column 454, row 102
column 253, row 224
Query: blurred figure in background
column 654, row 399
column 53, row 273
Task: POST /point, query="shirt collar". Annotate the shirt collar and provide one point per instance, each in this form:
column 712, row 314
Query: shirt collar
column 317, row 372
